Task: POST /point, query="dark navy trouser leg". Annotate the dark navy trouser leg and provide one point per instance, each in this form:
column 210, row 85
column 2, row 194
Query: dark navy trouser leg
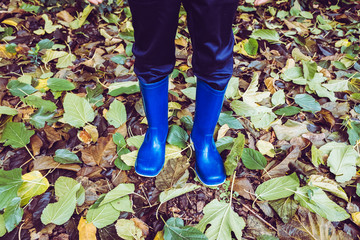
column 210, row 25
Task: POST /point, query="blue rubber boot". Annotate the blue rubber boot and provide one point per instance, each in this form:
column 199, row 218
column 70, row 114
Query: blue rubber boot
column 151, row 155
column 209, row 166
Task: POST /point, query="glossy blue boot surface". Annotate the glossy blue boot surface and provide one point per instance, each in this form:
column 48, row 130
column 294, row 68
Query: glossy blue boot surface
column 151, row 155
column 209, row 165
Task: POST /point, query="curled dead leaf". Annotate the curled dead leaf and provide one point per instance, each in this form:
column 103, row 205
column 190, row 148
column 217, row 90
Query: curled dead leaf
column 174, row 170
column 36, row 144
column 102, row 154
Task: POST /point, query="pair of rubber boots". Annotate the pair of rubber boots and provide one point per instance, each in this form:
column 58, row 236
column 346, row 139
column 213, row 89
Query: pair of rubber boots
column 151, row 156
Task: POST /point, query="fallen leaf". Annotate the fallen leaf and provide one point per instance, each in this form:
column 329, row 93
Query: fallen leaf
column 356, row 218
column 47, row 162
column 52, row 135
column 327, row 185
column 307, row 225
column 87, row 231
column 171, row 173
column 84, row 136
column 92, row 131
column 244, row 188
column 102, row 154
column 127, row 230
column 283, row 167
column 141, row 225
column 36, row 144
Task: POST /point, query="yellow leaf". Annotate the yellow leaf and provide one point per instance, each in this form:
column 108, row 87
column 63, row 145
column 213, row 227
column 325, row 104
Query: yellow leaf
column 356, row 218
column 12, row 21
column 92, row 131
column 51, row 55
column 159, row 235
column 343, row 42
column 4, row 53
column 34, row 184
column 184, row 67
column 87, row 231
column 240, row 48
column 174, row 106
column 66, row 60
column 42, row 85
column 49, row 26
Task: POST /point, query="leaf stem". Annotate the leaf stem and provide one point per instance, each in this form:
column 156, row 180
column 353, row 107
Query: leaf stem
column 32, row 156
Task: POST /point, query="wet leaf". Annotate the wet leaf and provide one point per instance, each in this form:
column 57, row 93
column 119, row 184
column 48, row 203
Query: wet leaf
column 34, row 183
column 223, row 221
column 174, row 229
column 278, row 188
column 317, row 201
column 102, row 154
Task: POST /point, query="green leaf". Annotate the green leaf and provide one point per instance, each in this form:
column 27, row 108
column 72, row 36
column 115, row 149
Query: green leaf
column 102, row 216
column 16, row 135
column 119, row 140
column 20, row 89
column 174, row 229
column 2, row 225
column 358, row 189
column 29, row 7
column 78, row 111
column 58, row 84
column 224, row 143
column 94, row 95
column 316, row 156
column 49, row 26
column 116, row 115
column 45, row 44
column 38, row 102
column 269, row 35
column 177, row 136
column 65, row 156
column 119, row 59
column 128, row 230
column 188, row 122
column 267, row 237
column 175, row 192
column 342, row 162
column 307, row 15
column 10, row 182
column 135, row 141
column 130, row 87
column 8, row 110
column 278, row 98
column 251, row 46
column 287, row 111
column 222, row 220
column 66, row 60
column 307, row 102
column 123, row 204
column 40, row 117
column 232, row 88
column 61, row 211
column 34, row 184
column 317, row 201
column 121, row 190
column 353, row 130
column 309, row 69
column 285, row 208
column 13, row 214
column 277, row 188
column 253, row 159
column 63, row 186
column 11, row 48
column 292, row 74
column 235, row 154
column 231, row 121
column 190, row 92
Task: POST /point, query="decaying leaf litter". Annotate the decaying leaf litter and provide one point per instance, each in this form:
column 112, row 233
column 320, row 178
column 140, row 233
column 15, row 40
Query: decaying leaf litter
column 72, row 121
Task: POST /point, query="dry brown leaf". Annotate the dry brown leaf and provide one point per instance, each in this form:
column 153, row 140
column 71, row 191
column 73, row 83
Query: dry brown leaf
column 87, row 231
column 90, row 172
column 84, row 136
column 36, row 144
column 140, row 224
column 52, row 135
column 222, row 131
column 122, row 130
column 283, row 167
column 102, row 154
column 244, row 188
column 301, row 28
column 47, row 162
column 97, row 60
column 171, row 173
column 118, row 177
column 309, row 226
column 328, row 117
column 315, row 138
column 270, row 84
column 65, row 15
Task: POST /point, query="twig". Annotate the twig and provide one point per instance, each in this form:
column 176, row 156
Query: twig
column 257, row 215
